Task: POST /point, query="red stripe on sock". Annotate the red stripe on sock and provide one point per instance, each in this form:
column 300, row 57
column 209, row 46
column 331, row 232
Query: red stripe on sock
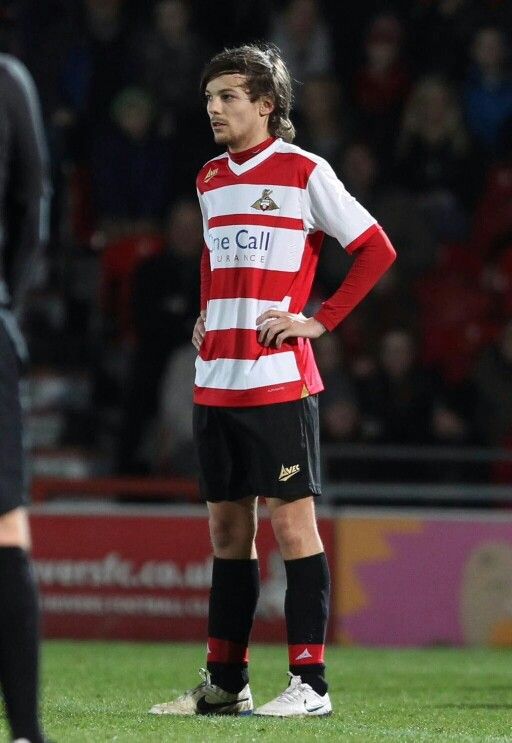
column 225, row 651
column 305, row 655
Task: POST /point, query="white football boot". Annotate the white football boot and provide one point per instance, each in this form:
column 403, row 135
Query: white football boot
column 297, row 700
column 207, row 699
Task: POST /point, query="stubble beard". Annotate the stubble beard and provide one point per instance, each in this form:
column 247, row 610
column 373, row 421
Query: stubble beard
column 221, row 138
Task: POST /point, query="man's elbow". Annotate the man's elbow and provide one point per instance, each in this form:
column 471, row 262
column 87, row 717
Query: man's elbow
column 388, row 252
column 391, row 256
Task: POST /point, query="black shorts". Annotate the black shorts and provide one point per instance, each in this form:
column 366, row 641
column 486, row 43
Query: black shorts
column 268, row 450
column 12, row 483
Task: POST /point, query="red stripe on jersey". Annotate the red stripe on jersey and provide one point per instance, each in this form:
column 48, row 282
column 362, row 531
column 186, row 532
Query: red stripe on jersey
column 237, row 343
column 268, row 220
column 209, row 172
column 250, row 282
column 305, row 655
column 225, row 651
column 279, row 169
column 243, row 344
column 256, row 396
column 227, row 283
column 363, row 237
column 303, row 280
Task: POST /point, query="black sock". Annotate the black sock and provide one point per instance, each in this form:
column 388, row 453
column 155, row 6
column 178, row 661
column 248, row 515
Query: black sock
column 233, row 598
column 306, row 609
column 19, row 643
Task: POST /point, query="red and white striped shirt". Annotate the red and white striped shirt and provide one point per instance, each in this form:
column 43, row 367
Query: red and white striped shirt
column 264, row 222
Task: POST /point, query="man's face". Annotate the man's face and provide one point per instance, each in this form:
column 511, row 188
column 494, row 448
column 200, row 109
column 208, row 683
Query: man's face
column 237, row 122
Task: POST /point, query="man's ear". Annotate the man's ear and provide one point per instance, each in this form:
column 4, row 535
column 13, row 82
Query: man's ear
column 266, row 105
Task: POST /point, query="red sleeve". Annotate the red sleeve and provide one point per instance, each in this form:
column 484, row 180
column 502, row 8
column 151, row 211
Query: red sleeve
column 206, row 277
column 372, row 259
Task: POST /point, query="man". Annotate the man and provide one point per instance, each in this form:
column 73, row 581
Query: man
column 266, row 205
column 23, row 195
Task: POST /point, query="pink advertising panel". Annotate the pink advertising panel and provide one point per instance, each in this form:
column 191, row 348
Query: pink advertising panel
column 412, row 580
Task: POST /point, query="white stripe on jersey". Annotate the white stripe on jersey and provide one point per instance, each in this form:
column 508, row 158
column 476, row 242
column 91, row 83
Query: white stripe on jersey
column 332, row 209
column 239, row 198
column 224, row 314
column 256, row 246
column 242, row 374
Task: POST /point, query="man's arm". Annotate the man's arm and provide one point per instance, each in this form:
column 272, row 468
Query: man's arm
column 27, row 202
column 206, row 280
column 331, row 209
column 372, row 259
column 206, row 277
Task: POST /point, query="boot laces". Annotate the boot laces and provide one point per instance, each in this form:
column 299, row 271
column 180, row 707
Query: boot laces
column 293, row 690
column 205, row 675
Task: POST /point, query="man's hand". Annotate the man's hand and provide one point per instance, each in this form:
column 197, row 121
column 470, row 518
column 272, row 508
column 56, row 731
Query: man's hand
column 199, row 330
column 275, row 326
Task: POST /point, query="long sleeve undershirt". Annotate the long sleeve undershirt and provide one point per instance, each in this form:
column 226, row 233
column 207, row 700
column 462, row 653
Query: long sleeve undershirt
column 206, row 278
column 371, row 260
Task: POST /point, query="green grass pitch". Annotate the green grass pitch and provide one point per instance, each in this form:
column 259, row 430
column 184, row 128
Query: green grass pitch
column 100, row 692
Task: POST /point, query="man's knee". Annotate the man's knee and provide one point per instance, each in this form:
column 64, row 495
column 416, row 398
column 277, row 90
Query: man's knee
column 223, row 533
column 295, row 527
column 287, row 531
column 232, row 531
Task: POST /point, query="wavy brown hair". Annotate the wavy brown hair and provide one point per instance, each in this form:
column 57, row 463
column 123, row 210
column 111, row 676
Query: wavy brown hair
column 266, row 74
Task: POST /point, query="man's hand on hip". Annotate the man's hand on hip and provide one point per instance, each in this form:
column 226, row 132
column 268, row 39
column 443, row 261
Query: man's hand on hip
column 275, row 326
column 199, row 330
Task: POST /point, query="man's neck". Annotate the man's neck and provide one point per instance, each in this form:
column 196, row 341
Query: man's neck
column 241, row 156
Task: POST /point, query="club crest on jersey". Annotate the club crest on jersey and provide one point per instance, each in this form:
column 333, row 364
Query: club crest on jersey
column 265, row 203
column 212, row 172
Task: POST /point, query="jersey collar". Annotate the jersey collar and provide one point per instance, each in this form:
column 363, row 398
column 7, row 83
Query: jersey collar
column 253, row 161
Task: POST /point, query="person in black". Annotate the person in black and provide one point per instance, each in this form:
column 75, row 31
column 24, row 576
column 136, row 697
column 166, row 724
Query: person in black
column 24, row 193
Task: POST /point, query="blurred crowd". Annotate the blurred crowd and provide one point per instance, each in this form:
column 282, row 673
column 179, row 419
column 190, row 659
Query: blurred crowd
column 411, row 102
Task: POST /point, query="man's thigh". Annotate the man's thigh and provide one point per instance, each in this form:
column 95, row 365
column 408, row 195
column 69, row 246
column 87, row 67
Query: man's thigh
column 12, row 490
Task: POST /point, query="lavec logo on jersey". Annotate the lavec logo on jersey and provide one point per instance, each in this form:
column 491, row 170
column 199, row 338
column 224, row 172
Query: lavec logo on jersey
column 212, row 172
column 265, row 203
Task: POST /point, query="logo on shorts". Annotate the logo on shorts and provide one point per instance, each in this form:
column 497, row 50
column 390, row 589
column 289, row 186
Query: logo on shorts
column 287, row 472
column 265, row 203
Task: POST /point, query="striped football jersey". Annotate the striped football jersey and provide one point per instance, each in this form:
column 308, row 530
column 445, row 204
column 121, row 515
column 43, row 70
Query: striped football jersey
column 264, row 222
